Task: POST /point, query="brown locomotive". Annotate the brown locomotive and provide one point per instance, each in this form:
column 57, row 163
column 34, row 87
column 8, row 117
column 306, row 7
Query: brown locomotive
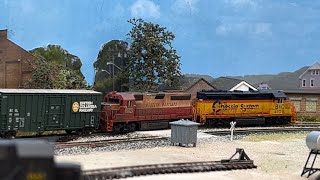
column 129, row 111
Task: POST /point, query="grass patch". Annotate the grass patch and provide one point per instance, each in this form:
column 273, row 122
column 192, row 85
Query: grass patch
column 308, row 118
column 274, row 137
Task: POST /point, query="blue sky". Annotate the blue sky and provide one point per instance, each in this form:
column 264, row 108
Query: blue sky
column 213, row 37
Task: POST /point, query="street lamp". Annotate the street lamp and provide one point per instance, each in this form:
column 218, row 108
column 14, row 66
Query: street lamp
column 114, row 65
column 109, row 63
column 103, row 70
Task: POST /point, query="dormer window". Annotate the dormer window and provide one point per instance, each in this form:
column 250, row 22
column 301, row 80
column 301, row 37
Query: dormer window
column 317, row 72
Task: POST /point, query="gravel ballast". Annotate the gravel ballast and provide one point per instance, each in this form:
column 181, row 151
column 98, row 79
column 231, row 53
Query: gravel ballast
column 276, row 158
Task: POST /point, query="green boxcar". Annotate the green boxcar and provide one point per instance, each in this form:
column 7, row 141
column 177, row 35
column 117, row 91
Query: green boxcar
column 39, row 110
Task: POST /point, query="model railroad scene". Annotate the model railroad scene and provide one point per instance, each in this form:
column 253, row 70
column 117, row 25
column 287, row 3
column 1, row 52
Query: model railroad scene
column 83, row 112
column 145, row 89
column 135, row 135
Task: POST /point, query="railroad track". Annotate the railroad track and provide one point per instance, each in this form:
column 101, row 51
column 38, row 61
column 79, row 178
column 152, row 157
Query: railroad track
column 306, row 124
column 243, row 162
column 264, row 130
column 102, row 143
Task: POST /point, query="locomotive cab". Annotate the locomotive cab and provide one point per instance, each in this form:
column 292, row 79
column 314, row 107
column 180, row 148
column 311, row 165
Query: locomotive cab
column 117, row 109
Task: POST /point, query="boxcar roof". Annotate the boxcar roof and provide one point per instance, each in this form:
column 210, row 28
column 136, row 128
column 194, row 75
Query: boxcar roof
column 50, row 91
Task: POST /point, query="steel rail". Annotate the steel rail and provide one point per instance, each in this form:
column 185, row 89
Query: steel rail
column 101, row 143
column 189, row 167
column 264, row 130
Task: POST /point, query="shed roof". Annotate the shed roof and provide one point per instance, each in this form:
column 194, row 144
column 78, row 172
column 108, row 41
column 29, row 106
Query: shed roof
column 50, row 91
column 183, row 122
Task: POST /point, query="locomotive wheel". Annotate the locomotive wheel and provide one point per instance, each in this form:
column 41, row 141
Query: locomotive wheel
column 131, row 127
column 118, row 128
column 68, row 131
column 79, row 132
column 87, row 132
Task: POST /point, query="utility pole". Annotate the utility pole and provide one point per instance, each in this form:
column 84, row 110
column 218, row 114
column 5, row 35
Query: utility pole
column 113, row 74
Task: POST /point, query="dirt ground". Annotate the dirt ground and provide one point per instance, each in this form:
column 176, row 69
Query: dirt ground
column 276, row 159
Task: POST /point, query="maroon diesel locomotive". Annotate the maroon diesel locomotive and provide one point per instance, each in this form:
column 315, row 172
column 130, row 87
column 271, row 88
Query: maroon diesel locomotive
column 130, row 111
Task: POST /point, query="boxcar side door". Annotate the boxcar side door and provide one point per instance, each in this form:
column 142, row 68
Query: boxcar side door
column 55, row 107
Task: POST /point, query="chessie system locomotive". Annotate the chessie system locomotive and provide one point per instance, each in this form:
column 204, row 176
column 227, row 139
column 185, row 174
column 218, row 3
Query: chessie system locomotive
column 85, row 111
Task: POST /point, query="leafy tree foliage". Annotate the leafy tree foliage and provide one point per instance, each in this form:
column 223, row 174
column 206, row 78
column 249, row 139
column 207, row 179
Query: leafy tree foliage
column 59, row 56
column 153, row 62
column 109, row 66
column 56, row 69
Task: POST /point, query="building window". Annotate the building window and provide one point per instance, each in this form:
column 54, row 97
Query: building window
column 311, row 82
column 311, row 106
column 317, row 72
column 297, row 105
column 303, row 83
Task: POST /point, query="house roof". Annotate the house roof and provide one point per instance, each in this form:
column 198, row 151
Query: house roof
column 230, row 84
column 302, row 91
column 315, row 66
column 201, row 79
column 225, row 83
column 243, row 83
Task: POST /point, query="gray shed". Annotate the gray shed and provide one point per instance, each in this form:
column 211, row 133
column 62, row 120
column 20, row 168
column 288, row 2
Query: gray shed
column 184, row 132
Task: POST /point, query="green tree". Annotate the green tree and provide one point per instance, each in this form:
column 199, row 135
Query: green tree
column 109, row 66
column 56, row 69
column 59, row 56
column 153, row 62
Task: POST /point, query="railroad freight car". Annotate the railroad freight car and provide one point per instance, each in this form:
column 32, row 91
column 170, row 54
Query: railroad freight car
column 39, row 110
column 219, row 108
column 129, row 111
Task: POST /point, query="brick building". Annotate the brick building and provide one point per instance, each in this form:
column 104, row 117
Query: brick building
column 306, row 102
column 201, row 84
column 15, row 70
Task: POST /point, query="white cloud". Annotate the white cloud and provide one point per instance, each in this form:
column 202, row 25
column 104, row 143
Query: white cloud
column 254, row 29
column 242, row 3
column 145, row 9
column 182, row 6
